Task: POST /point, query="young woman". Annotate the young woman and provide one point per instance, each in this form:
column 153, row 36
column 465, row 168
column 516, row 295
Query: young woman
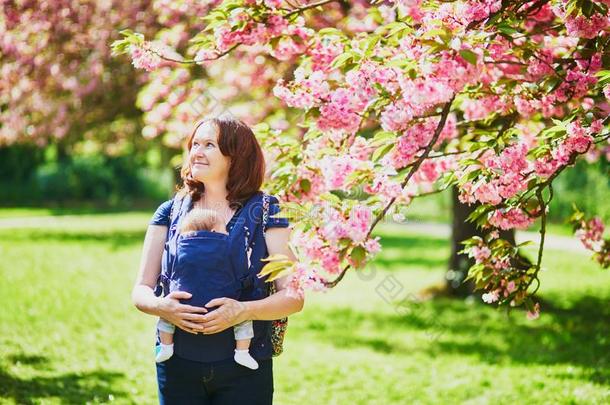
column 223, row 172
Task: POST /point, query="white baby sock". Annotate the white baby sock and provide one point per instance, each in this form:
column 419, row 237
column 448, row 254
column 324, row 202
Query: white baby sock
column 164, row 352
column 243, row 357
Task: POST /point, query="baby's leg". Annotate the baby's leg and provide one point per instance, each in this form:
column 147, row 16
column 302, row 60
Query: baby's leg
column 166, row 335
column 242, row 344
column 243, row 334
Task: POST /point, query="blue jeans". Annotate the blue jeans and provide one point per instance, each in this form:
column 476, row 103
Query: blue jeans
column 187, row 382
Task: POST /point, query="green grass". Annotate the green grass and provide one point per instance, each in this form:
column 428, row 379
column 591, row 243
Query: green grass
column 36, row 212
column 71, row 335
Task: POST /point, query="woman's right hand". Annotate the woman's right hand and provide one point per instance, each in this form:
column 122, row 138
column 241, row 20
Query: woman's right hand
column 186, row 317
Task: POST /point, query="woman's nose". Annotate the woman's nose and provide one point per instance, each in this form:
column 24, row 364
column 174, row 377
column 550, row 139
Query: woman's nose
column 198, row 152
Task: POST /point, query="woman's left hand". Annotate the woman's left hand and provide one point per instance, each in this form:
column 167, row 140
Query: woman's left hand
column 230, row 312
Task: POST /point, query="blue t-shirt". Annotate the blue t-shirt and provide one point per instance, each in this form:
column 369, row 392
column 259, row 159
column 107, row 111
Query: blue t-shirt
column 261, row 345
column 162, row 215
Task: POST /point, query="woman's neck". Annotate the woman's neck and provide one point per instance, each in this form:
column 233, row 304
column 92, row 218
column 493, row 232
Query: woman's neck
column 215, row 196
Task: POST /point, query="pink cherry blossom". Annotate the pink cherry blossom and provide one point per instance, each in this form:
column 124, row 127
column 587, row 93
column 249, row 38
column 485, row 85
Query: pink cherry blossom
column 372, row 246
column 359, row 221
column 324, row 52
column 534, row 313
column 341, row 112
column 512, row 218
column 490, row 297
column 143, row 58
column 591, row 234
column 480, row 254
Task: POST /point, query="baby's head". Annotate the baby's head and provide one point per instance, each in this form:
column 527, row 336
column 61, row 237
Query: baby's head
column 199, row 219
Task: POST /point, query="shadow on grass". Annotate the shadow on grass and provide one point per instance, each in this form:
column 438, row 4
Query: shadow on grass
column 578, row 335
column 116, row 239
column 69, row 388
column 28, row 359
column 424, row 251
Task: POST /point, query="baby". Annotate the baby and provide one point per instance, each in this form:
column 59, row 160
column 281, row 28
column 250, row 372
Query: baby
column 206, row 220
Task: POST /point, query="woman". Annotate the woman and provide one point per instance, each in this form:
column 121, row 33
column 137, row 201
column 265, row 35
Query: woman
column 224, row 169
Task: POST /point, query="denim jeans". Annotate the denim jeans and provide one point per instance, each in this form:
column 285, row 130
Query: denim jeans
column 187, row 382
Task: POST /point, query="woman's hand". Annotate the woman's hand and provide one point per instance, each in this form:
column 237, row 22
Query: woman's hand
column 186, row 317
column 230, row 312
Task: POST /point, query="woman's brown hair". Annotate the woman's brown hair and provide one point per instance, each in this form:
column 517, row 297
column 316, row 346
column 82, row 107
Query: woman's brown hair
column 246, row 173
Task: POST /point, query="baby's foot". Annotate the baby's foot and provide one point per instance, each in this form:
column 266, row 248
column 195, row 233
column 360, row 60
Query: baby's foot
column 163, row 352
column 243, row 357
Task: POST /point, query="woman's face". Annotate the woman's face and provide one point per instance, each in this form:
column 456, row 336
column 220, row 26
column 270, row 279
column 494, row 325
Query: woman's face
column 208, row 164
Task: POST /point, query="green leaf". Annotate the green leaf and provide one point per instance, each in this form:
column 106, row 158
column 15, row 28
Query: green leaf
column 475, row 240
column 471, row 162
column 279, row 274
column 121, row 46
column 478, row 213
column 370, row 43
column 433, row 33
column 447, row 179
column 260, row 128
column 331, row 31
column 552, row 83
column 274, row 267
column 526, row 243
column 341, row 60
column 382, row 138
column 571, row 7
column 274, row 257
column 604, row 77
column 587, row 8
column 470, row 56
column 358, row 255
column 470, row 176
column 506, row 29
column 381, row 152
column 396, row 28
column 402, row 63
column 305, row 185
column 331, row 198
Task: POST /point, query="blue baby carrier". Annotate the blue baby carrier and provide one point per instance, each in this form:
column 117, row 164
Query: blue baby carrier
column 211, row 265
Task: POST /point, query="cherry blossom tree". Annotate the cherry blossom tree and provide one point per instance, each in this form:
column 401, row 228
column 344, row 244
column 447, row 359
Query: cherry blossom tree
column 364, row 106
column 58, row 81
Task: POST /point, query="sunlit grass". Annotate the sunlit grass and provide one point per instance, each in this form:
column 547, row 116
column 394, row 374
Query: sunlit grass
column 71, row 335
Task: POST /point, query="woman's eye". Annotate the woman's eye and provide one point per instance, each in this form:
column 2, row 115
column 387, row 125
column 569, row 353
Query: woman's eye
column 209, row 143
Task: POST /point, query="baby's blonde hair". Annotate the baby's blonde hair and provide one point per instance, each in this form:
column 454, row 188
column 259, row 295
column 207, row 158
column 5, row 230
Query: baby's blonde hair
column 199, row 219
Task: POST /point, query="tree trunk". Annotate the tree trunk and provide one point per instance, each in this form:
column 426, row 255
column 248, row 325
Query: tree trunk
column 460, row 263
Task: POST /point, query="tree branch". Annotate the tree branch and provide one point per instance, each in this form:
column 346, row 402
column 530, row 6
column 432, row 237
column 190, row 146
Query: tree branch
column 422, row 157
column 312, row 5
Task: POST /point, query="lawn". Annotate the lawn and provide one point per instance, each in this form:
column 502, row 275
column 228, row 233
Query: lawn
column 71, row 335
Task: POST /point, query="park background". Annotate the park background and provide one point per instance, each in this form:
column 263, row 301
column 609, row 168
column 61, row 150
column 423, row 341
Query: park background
column 74, row 210
column 71, row 335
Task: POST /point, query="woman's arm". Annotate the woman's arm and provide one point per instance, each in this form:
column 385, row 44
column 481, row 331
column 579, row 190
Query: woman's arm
column 143, row 296
column 278, row 305
column 230, row 312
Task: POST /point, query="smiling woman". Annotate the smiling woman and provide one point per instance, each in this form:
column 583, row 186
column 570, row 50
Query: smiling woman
column 223, row 174
column 224, row 158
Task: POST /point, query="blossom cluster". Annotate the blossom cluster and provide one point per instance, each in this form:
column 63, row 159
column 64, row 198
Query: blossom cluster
column 500, row 273
column 591, row 234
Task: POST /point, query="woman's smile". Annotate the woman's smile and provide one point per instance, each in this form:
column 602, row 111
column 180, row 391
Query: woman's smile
column 200, row 164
